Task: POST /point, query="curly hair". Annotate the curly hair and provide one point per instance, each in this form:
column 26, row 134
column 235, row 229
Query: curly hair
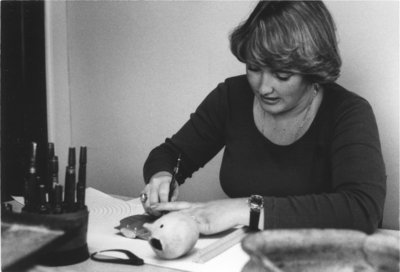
column 296, row 36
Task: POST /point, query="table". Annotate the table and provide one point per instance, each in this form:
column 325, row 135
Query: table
column 90, row 265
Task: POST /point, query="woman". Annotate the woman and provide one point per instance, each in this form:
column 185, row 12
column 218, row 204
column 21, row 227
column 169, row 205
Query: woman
column 308, row 146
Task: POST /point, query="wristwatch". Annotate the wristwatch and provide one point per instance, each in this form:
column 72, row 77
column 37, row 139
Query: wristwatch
column 256, row 203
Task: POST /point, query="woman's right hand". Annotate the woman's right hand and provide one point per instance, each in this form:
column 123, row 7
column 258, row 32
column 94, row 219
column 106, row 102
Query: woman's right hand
column 157, row 191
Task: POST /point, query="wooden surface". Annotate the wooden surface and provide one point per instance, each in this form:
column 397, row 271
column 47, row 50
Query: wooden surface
column 19, row 242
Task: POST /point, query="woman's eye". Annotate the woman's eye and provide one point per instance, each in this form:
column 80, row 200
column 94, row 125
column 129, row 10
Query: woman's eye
column 253, row 68
column 283, row 75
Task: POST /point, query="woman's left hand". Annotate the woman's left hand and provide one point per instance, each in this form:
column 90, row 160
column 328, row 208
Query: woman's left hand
column 211, row 217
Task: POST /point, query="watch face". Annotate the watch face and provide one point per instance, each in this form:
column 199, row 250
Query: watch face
column 256, row 202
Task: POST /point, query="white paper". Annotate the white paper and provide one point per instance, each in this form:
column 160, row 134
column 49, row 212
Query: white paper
column 105, row 212
column 19, row 199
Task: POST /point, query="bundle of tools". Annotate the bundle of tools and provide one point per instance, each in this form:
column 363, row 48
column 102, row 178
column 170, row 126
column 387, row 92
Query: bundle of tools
column 46, row 196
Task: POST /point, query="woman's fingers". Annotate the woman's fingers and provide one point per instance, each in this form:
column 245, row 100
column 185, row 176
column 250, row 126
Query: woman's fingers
column 153, row 197
column 211, row 217
column 171, row 206
column 144, row 197
column 163, row 192
column 175, row 194
column 157, row 191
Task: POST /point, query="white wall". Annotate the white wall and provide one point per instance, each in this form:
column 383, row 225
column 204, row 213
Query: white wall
column 136, row 70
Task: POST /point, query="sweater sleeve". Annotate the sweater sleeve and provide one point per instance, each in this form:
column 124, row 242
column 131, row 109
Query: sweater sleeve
column 358, row 174
column 198, row 141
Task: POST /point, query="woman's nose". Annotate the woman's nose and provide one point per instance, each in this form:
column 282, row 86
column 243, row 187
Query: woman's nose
column 265, row 86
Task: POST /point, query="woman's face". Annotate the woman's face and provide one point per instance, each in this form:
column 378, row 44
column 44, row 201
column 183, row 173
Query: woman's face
column 279, row 92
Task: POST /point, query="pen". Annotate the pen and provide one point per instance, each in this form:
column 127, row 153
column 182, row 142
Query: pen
column 81, row 186
column 30, row 181
column 70, row 176
column 50, row 155
column 69, row 196
column 54, row 171
column 57, row 209
column 33, row 155
column 42, row 199
column 50, row 150
column 53, row 178
column 30, row 190
column 71, row 156
column 172, row 185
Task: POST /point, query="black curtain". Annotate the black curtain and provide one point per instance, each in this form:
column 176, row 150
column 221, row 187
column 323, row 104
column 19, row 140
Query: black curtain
column 23, row 91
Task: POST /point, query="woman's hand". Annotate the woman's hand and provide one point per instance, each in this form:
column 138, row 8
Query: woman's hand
column 157, row 191
column 211, row 217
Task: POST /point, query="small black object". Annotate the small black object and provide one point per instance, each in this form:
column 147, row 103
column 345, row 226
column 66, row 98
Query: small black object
column 52, row 180
column 50, row 150
column 33, row 155
column 69, row 189
column 48, row 179
column 43, row 205
column 58, row 190
column 53, row 165
column 81, row 185
column 71, row 157
column 172, row 185
column 83, row 155
column 30, row 192
column 132, row 258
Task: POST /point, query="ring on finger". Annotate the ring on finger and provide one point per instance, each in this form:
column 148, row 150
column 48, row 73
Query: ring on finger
column 143, row 197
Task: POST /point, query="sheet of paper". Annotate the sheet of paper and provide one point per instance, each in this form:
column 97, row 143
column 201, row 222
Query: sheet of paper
column 19, row 199
column 105, row 212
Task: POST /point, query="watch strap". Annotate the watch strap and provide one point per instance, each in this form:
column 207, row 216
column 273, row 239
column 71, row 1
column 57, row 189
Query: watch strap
column 256, row 203
column 254, row 219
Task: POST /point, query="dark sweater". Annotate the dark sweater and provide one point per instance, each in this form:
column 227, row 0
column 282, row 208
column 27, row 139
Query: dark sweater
column 332, row 177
